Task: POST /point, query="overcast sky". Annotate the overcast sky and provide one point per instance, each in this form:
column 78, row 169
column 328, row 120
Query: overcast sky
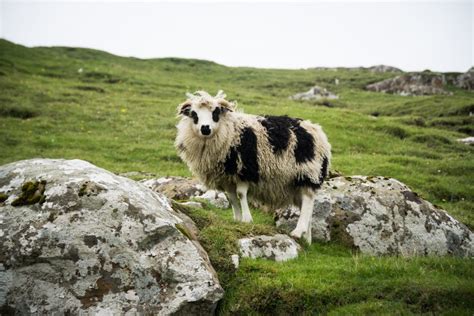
column 407, row 34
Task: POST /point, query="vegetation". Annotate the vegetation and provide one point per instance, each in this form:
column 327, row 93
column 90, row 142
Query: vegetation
column 120, row 114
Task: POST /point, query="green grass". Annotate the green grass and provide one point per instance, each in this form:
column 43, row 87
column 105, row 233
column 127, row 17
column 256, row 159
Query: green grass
column 120, row 114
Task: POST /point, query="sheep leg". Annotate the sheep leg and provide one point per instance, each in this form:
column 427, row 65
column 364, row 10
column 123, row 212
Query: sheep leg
column 234, row 201
column 303, row 227
column 242, row 189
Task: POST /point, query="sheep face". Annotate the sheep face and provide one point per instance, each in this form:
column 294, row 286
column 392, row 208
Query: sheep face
column 204, row 114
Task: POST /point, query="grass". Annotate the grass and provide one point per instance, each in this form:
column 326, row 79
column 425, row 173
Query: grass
column 120, row 114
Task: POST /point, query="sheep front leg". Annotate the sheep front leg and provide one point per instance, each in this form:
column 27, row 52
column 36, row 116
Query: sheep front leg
column 234, row 201
column 242, row 189
column 303, row 227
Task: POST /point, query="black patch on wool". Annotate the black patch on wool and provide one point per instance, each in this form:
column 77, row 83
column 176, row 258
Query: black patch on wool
column 248, row 154
column 324, row 170
column 305, row 181
column 215, row 114
column 194, row 117
column 278, row 131
column 230, row 163
column 304, row 150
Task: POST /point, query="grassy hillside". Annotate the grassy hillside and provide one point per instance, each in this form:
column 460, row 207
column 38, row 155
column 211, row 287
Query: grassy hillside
column 119, row 113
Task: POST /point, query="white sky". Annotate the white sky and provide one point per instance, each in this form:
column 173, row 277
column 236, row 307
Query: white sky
column 407, row 34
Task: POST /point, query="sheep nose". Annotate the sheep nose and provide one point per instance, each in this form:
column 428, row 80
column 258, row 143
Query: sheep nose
column 205, row 130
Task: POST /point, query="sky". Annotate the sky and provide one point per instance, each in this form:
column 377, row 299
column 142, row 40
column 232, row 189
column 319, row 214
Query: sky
column 411, row 35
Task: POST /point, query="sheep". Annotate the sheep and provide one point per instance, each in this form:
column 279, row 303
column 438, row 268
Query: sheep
column 274, row 160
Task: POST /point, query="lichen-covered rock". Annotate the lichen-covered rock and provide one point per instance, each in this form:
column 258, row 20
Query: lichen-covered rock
column 176, row 188
column 278, row 247
column 315, row 93
column 466, row 80
column 424, row 83
column 381, row 216
column 80, row 239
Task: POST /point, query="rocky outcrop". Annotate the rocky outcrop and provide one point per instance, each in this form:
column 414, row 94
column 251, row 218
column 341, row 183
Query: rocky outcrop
column 278, row 247
column 465, row 80
column 425, row 83
column 381, row 216
column 383, row 68
column 315, row 93
column 76, row 239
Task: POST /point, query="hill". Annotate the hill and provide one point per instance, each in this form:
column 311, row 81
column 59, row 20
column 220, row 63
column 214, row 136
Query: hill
column 119, row 113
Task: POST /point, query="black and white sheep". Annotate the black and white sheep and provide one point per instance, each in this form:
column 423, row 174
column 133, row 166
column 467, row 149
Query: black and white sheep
column 278, row 160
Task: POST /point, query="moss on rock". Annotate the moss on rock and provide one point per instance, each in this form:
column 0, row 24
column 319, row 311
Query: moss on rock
column 32, row 192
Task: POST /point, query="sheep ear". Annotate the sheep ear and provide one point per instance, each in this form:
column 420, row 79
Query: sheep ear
column 184, row 108
column 226, row 105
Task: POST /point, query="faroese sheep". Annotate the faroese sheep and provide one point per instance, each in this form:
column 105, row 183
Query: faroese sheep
column 277, row 160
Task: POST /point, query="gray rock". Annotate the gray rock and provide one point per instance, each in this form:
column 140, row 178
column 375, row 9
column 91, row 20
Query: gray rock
column 381, row 216
column 315, row 93
column 278, row 247
column 383, row 68
column 216, row 198
column 466, row 80
column 176, row 188
column 424, row 83
column 75, row 238
column 467, row 140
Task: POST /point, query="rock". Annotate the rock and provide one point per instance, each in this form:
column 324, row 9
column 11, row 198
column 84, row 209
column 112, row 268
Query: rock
column 381, row 216
column 425, row 83
column 279, row 247
column 383, row 68
column 467, row 140
column 466, row 80
column 192, row 204
column 235, row 261
column 82, row 240
column 216, row 198
column 315, row 93
column 176, row 188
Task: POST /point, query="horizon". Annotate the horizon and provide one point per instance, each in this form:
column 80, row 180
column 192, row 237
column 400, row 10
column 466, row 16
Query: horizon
column 405, row 35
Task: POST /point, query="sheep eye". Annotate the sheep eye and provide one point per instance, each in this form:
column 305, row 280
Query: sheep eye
column 215, row 114
column 194, row 117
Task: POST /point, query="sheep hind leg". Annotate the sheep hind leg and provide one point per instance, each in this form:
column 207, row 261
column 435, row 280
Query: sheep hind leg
column 242, row 189
column 234, row 201
column 303, row 227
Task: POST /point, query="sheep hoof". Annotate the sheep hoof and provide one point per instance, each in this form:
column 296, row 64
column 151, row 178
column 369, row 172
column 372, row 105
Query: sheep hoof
column 247, row 219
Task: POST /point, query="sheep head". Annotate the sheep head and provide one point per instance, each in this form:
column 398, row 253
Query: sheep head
column 204, row 112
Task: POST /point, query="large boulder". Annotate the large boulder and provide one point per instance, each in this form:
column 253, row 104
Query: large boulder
column 78, row 239
column 315, row 93
column 424, row 83
column 381, row 216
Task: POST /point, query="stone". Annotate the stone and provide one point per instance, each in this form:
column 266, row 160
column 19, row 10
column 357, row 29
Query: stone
column 424, row 83
column 381, row 216
column 192, row 204
column 215, row 198
column 279, row 247
column 176, row 188
column 315, row 93
column 465, row 80
column 85, row 241
column 235, row 260
column 467, row 140
column 383, row 69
